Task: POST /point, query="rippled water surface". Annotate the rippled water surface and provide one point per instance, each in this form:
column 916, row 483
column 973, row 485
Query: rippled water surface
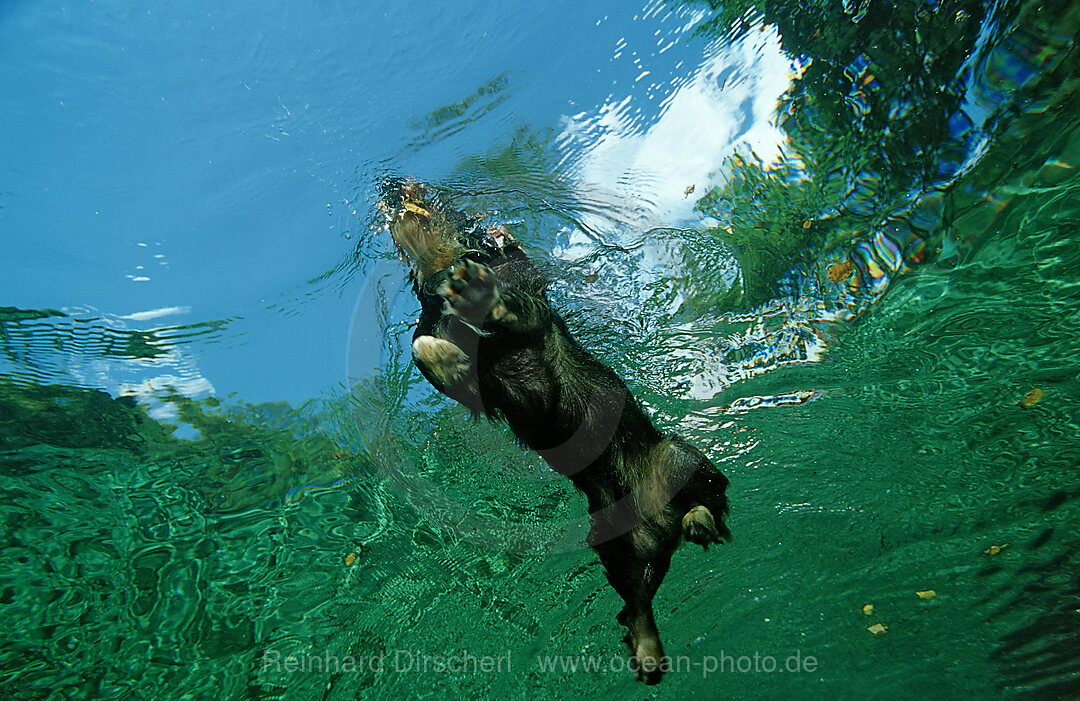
column 835, row 245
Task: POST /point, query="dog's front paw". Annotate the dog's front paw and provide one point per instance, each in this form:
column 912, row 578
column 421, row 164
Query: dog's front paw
column 472, row 294
column 445, row 363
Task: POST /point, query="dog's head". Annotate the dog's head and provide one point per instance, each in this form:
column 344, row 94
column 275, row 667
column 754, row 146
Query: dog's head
column 425, row 229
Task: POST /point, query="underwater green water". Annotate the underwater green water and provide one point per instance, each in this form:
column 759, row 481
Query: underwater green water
column 880, row 434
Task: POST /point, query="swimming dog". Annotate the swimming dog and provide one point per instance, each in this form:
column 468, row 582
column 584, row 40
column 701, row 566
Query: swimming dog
column 488, row 338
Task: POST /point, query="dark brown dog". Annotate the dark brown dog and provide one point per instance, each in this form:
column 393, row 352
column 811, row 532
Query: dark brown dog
column 488, row 338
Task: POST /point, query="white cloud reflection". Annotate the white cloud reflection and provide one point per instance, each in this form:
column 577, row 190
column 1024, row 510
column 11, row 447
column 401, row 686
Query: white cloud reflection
column 728, row 103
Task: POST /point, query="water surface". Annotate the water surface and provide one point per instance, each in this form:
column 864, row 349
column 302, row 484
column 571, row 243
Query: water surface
column 834, row 245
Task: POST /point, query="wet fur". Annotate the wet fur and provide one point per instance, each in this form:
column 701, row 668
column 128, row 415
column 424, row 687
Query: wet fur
column 488, row 338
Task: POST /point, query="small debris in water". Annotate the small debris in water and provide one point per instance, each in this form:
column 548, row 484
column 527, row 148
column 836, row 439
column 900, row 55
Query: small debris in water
column 926, row 595
column 840, row 271
column 591, row 277
column 350, row 559
column 688, row 191
column 878, row 629
column 995, row 549
column 868, row 609
column 807, row 224
column 1031, row 398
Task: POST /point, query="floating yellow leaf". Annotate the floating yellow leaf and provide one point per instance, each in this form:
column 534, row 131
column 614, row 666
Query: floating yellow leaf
column 868, row 609
column 878, row 629
column 1031, row 398
column 840, row 271
column 417, row 209
column 926, row 595
column 995, row 549
column 350, row 559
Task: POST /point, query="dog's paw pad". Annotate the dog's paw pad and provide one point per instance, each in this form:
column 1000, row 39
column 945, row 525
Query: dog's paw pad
column 699, row 527
column 472, row 294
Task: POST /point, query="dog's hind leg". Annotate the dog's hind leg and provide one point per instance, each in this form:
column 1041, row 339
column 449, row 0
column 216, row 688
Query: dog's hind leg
column 701, row 499
column 706, row 506
column 699, row 526
column 636, row 579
